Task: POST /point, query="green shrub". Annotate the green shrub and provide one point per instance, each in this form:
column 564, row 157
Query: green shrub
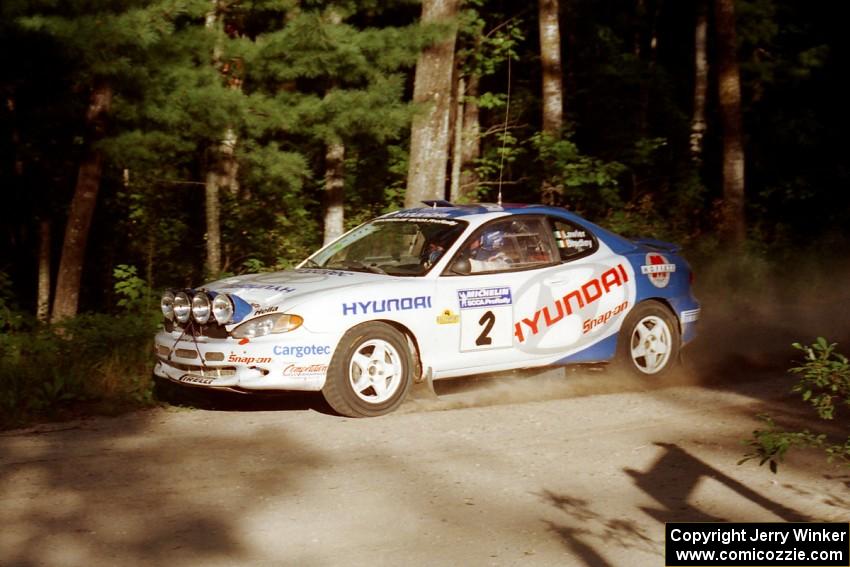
column 99, row 360
column 825, row 385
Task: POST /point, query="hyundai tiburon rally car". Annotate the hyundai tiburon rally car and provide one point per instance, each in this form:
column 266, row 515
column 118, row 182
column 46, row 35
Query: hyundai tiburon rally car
column 432, row 293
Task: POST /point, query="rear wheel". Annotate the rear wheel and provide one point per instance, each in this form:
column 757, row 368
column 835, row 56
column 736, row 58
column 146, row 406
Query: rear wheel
column 649, row 341
column 370, row 372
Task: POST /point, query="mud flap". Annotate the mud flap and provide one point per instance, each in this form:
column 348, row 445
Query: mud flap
column 423, row 389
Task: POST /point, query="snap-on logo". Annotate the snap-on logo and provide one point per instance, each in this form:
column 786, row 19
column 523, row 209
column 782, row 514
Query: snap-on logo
column 575, row 300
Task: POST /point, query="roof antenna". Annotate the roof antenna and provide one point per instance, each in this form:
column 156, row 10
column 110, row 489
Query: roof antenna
column 505, row 133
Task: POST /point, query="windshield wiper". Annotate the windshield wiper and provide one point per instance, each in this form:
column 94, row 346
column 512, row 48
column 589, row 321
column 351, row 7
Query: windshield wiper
column 356, row 266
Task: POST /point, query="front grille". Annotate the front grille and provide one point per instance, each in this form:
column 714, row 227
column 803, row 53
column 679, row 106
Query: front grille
column 190, row 354
column 213, row 330
column 186, row 353
column 206, row 371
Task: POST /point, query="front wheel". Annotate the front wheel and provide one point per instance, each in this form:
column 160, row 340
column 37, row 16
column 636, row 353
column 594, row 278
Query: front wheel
column 370, row 372
column 649, row 341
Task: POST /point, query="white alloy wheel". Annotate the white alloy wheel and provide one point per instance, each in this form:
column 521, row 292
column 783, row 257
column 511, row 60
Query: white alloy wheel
column 376, row 371
column 651, row 344
column 649, row 340
column 370, row 372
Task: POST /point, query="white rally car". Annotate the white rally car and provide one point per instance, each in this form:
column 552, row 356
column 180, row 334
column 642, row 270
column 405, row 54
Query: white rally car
column 432, row 293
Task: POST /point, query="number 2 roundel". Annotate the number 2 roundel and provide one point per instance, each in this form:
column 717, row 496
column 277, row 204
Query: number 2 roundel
column 486, row 316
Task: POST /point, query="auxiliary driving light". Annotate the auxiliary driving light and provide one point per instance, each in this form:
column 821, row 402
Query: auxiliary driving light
column 201, row 308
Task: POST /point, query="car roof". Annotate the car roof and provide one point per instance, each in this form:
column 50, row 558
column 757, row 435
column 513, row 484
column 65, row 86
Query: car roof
column 447, row 210
column 486, row 211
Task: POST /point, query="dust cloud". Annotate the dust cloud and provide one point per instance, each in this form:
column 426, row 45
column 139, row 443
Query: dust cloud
column 751, row 314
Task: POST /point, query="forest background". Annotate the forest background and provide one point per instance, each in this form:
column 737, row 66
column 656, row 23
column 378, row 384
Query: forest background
column 147, row 144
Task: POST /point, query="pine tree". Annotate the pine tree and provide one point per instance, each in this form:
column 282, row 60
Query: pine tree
column 88, row 34
column 340, row 83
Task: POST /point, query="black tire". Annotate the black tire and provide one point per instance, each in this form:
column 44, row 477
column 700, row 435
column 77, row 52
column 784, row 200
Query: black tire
column 649, row 341
column 370, row 372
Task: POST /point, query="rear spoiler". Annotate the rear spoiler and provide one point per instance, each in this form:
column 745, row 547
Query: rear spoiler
column 658, row 244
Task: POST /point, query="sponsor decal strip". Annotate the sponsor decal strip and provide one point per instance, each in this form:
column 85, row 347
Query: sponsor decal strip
column 192, row 379
column 248, row 359
column 270, row 287
column 448, row 318
column 689, row 316
column 385, row 305
column 574, row 300
column 299, row 351
column 265, row 311
column 484, row 297
column 309, row 370
column 657, row 269
column 323, row 272
column 589, row 324
column 417, row 215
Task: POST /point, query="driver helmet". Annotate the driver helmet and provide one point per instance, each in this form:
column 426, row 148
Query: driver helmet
column 492, row 240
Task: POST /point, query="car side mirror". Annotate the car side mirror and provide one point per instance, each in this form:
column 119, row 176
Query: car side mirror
column 461, row 267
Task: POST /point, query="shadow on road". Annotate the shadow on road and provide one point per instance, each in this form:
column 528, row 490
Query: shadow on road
column 223, row 400
column 597, row 528
column 671, row 482
column 155, row 508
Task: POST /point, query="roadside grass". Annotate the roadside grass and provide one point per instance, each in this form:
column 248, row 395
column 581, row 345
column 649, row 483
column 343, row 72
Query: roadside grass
column 93, row 364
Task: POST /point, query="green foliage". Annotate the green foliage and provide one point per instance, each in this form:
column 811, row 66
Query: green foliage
column 11, row 317
column 590, row 184
column 825, row 378
column 99, row 360
column 825, row 385
column 135, row 295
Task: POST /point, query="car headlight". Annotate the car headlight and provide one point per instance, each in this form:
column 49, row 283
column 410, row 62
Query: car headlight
column 222, row 308
column 166, row 304
column 182, row 307
column 201, row 307
column 267, row 324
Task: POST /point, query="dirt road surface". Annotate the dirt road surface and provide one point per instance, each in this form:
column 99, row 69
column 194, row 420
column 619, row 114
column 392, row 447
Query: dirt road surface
column 469, row 479
column 582, row 469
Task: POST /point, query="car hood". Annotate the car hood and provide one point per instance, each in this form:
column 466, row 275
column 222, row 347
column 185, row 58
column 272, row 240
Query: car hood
column 273, row 288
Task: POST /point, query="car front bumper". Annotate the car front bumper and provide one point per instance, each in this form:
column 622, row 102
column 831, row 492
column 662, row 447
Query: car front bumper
column 267, row 363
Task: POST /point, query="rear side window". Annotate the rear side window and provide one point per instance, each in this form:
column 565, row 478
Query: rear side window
column 572, row 240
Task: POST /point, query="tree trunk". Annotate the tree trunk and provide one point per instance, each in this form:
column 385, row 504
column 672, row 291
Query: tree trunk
column 553, row 90
column 550, row 57
column 733, row 226
column 67, row 297
column 698, row 124
column 212, row 209
column 42, row 311
column 429, row 137
column 222, row 166
column 334, row 191
column 470, row 143
column 457, row 143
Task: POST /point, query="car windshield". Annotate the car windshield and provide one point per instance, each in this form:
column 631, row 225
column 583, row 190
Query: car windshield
column 393, row 246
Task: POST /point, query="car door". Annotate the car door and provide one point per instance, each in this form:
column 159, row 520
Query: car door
column 549, row 290
column 478, row 292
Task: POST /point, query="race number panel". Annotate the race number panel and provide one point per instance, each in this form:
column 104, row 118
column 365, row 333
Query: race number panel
column 486, row 318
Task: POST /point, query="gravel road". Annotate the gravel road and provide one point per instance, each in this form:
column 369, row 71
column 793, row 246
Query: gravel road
column 577, row 469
